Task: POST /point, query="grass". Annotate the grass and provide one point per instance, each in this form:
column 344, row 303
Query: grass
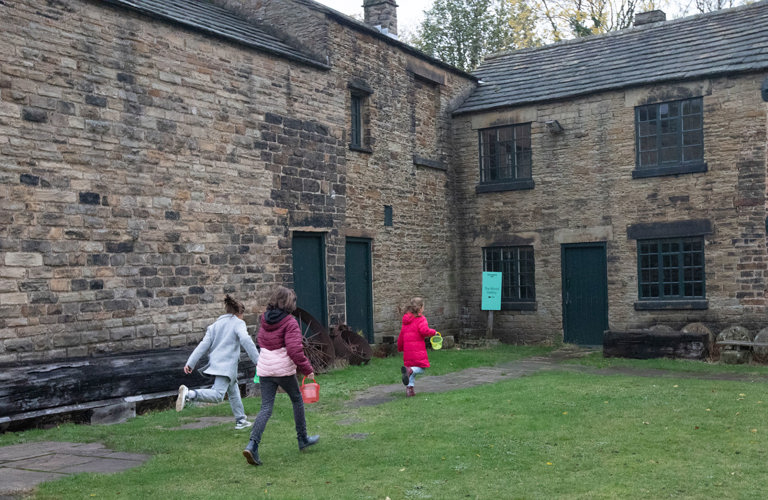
column 555, row 434
column 596, row 360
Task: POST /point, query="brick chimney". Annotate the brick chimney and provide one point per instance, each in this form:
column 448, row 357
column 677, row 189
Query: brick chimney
column 381, row 13
column 652, row 16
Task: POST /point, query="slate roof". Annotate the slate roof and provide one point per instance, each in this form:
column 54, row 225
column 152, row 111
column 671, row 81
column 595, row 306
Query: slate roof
column 204, row 16
column 723, row 42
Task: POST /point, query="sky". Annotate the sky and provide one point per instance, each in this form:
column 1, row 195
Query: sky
column 409, row 12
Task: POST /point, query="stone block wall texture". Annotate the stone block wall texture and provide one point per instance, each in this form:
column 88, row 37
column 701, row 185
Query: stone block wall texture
column 147, row 169
column 584, row 192
column 406, row 115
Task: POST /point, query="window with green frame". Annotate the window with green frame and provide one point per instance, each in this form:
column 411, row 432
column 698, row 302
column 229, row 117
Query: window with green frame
column 516, row 266
column 505, row 157
column 669, row 138
column 671, row 269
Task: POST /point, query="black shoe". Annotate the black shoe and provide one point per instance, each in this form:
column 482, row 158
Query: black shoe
column 406, row 374
column 308, row 441
column 251, row 453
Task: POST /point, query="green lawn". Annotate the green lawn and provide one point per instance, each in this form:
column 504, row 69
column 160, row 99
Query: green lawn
column 555, row 434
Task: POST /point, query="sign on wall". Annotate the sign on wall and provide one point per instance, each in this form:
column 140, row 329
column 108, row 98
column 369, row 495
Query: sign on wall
column 491, row 292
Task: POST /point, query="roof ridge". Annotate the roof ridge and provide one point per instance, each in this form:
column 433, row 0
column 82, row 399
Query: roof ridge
column 631, row 30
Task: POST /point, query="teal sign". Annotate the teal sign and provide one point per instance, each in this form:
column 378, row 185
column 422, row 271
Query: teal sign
column 491, row 292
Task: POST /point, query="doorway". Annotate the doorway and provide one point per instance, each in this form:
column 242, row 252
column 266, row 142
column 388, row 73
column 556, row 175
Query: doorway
column 359, row 286
column 309, row 274
column 585, row 293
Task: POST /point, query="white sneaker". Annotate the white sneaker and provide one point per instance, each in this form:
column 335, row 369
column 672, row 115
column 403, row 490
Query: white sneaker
column 181, row 399
column 243, row 424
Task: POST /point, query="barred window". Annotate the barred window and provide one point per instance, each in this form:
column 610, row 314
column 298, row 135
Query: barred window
column 669, row 135
column 505, row 153
column 671, row 268
column 516, row 266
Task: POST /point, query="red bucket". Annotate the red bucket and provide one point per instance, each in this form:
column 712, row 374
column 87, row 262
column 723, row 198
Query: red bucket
column 310, row 393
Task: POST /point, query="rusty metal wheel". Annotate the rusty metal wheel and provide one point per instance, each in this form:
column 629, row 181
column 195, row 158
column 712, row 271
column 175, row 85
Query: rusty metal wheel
column 318, row 346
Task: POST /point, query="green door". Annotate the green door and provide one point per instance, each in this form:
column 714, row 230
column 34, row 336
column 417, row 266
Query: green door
column 585, row 293
column 309, row 274
column 359, row 286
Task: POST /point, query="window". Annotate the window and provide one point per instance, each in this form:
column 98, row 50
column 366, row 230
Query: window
column 356, row 136
column 505, row 158
column 388, row 215
column 671, row 269
column 669, row 138
column 517, row 274
column 359, row 136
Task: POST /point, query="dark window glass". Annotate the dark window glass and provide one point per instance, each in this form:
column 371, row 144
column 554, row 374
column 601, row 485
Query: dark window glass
column 505, row 153
column 356, row 138
column 387, row 215
column 517, row 270
column 669, row 134
column 671, row 269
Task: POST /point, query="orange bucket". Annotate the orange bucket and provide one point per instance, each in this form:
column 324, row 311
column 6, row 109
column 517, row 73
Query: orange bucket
column 310, row 393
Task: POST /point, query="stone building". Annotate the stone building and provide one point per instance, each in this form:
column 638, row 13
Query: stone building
column 156, row 155
column 620, row 180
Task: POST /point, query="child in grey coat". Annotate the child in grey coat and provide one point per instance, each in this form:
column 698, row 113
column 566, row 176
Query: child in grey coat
column 222, row 343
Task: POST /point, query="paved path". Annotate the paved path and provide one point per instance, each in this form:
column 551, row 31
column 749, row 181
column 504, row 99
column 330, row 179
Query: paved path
column 24, row 466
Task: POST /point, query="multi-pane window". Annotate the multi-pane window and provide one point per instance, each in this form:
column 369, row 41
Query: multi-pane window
column 671, row 268
column 505, row 153
column 517, row 271
column 669, row 134
column 356, row 135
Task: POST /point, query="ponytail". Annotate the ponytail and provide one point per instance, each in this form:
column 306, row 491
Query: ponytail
column 233, row 306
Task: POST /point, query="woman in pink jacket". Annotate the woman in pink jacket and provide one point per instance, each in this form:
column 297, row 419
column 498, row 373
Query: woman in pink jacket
column 411, row 343
column 282, row 352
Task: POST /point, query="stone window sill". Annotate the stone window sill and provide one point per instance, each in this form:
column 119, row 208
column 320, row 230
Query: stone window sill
column 519, row 306
column 491, row 187
column 671, row 305
column 360, row 149
column 691, row 168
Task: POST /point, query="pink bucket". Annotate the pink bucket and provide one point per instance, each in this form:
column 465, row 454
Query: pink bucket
column 310, row 392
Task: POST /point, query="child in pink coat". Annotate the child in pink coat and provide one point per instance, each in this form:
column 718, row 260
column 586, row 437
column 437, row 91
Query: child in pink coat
column 411, row 343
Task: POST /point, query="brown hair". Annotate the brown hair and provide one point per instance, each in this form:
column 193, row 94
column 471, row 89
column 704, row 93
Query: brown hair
column 233, row 306
column 415, row 307
column 283, row 298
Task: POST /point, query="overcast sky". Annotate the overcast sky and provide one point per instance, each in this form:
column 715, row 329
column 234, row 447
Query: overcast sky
column 409, row 12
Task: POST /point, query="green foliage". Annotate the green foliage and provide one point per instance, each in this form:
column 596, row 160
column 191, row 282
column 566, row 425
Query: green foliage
column 462, row 32
column 555, row 434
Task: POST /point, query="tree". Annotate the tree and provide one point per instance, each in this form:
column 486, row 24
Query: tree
column 712, row 5
column 578, row 18
column 462, row 32
column 522, row 19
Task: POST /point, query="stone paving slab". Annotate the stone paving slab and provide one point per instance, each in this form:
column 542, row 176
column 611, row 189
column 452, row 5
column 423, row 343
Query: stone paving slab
column 24, row 466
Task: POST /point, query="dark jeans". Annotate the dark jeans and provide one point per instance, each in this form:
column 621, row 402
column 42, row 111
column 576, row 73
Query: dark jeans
column 269, row 387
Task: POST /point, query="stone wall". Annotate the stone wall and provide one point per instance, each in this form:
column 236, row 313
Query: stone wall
column 405, row 164
column 147, row 169
column 584, row 192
